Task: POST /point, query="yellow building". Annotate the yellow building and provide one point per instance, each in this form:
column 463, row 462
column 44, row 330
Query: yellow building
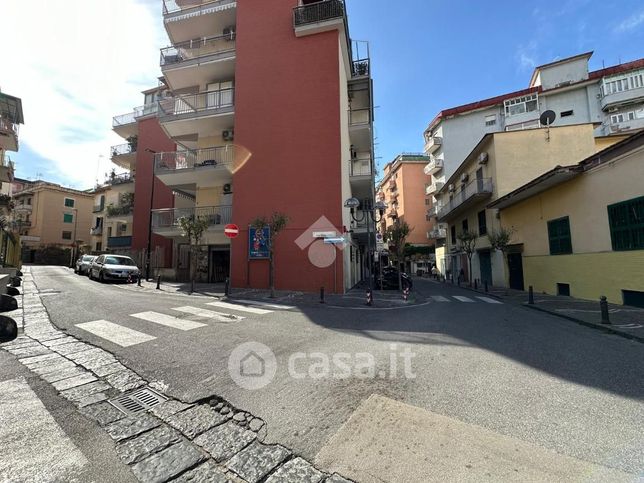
column 580, row 227
column 112, row 215
column 500, row 163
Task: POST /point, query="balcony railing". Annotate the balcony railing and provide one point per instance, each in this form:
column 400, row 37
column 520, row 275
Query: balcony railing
column 360, row 68
column 119, row 241
column 434, row 166
column 437, row 234
column 218, row 156
column 192, row 104
column 131, row 117
column 98, row 208
column 358, row 117
column 169, row 217
column 22, row 207
column 318, row 12
column 433, row 211
column 195, row 49
column 433, row 143
column 121, row 149
column 172, row 6
column 7, row 126
column 433, row 187
column 96, row 231
column 119, row 210
column 120, row 179
column 477, row 188
column 358, row 167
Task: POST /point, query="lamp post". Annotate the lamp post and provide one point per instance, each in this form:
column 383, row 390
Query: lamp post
column 370, row 214
column 73, row 257
column 147, row 258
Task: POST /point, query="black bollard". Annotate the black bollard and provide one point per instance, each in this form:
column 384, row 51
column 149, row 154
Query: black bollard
column 138, row 280
column 603, row 307
column 321, row 295
column 530, row 295
column 485, row 285
column 476, row 284
column 227, row 287
column 159, row 282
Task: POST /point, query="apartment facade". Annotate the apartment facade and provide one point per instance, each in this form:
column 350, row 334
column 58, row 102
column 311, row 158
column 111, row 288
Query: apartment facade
column 500, row 163
column 612, row 98
column 49, row 214
column 271, row 109
column 580, row 227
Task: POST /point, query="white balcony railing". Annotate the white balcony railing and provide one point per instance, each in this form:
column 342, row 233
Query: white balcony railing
column 221, row 156
column 131, row 117
column 174, row 6
column 434, row 166
column 433, row 187
column 433, row 143
column 437, row 234
column 191, row 105
column 360, row 167
column 168, row 218
column 185, row 52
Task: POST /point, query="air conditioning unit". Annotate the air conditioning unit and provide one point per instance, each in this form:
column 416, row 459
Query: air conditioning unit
column 229, row 32
column 464, row 177
column 228, row 135
column 483, row 158
column 228, row 189
column 451, row 188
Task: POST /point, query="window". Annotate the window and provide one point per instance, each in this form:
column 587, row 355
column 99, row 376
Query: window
column 563, row 289
column 68, row 218
column 29, row 201
column 452, row 232
column 465, row 225
column 427, row 201
column 490, row 120
column 69, row 203
column 482, row 223
column 626, row 222
column 559, row 236
column 428, row 218
column 633, row 81
column 67, row 235
column 566, row 113
column 521, row 104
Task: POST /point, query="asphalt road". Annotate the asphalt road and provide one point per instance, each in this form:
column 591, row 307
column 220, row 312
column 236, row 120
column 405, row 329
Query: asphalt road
column 515, row 372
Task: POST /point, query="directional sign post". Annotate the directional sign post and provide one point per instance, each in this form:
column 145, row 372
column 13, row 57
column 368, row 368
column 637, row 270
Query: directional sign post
column 231, row 230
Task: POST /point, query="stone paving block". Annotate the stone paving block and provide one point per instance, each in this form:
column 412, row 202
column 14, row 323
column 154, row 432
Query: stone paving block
column 336, row 478
column 125, row 380
column 20, row 344
column 91, row 399
column 167, row 463
column 66, row 349
column 102, row 412
column 97, row 361
column 51, row 366
column 85, row 390
column 296, row 470
column 53, row 336
column 62, row 374
column 169, row 408
column 48, row 363
column 257, row 460
column 106, row 370
column 84, row 355
column 225, row 440
column 135, row 449
column 31, row 351
column 196, row 420
column 131, row 426
column 74, row 381
column 27, row 361
column 207, row 472
column 59, row 341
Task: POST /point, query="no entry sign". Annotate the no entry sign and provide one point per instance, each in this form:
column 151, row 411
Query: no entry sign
column 231, row 230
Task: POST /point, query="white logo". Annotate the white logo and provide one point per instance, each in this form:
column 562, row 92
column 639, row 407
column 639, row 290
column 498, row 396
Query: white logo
column 321, row 254
column 252, row 365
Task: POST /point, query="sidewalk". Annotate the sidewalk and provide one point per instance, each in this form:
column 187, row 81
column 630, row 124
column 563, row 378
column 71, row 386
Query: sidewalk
column 625, row 321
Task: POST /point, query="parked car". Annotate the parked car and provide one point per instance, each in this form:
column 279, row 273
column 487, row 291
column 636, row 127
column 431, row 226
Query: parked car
column 114, row 267
column 83, row 264
column 390, row 279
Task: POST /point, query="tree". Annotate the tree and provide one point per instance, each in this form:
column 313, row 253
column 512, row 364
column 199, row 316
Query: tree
column 276, row 223
column 500, row 239
column 467, row 240
column 395, row 236
column 193, row 227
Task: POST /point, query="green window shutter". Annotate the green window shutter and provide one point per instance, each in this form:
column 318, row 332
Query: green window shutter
column 626, row 223
column 69, row 202
column 68, row 218
column 559, row 236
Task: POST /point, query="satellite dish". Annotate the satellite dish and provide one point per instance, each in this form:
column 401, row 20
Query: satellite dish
column 547, row 118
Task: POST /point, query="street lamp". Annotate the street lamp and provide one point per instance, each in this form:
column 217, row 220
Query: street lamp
column 370, row 214
column 147, row 260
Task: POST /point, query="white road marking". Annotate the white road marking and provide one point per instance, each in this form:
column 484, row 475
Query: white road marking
column 241, row 308
column 115, row 333
column 168, row 320
column 33, row 444
column 268, row 305
column 440, row 298
column 211, row 314
column 489, row 300
column 462, row 299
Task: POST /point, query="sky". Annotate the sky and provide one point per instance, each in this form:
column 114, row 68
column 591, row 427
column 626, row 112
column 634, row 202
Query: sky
column 77, row 63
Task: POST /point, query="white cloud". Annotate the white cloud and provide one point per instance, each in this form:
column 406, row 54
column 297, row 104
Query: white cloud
column 526, row 56
column 630, row 23
column 75, row 64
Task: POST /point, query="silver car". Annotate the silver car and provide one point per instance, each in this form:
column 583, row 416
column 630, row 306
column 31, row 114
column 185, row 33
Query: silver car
column 83, row 264
column 114, row 267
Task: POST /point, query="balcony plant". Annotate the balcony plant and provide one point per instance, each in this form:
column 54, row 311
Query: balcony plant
column 276, row 223
column 133, row 141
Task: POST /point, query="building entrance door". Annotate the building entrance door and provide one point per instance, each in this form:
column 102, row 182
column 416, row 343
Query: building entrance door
column 219, row 265
column 485, row 261
column 515, row 267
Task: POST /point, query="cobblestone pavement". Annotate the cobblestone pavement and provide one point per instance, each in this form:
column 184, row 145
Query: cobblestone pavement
column 210, row 441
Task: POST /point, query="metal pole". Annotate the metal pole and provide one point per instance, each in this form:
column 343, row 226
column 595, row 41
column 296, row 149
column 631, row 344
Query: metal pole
column 321, row 295
column 530, row 295
column 369, row 253
column 603, row 307
column 159, row 282
column 147, row 262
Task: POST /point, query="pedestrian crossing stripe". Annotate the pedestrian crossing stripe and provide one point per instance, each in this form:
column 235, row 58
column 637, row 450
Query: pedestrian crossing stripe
column 241, row 308
column 211, row 314
column 463, row 299
column 117, row 334
column 440, row 298
column 168, row 320
column 268, row 305
column 489, row 300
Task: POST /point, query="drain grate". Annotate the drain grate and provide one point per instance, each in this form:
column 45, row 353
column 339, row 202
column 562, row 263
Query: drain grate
column 137, row 401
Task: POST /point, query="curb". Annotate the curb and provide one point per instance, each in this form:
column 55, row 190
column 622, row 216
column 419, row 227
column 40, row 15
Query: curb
column 604, row 328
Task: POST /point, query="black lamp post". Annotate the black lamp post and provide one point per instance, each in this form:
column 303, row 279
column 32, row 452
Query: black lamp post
column 370, row 214
column 147, row 260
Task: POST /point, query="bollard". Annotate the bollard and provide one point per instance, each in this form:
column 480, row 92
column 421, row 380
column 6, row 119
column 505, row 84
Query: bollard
column 458, row 281
column 530, row 295
column 159, row 282
column 227, row 287
column 321, row 295
column 138, row 280
column 476, row 284
column 406, row 294
column 485, row 285
column 603, row 307
column 369, row 297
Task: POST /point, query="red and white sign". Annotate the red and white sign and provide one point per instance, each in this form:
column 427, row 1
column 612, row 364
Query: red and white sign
column 231, row 230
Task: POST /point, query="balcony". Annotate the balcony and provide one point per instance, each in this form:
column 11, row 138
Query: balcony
column 98, row 208
column 625, row 126
column 96, row 231
column 433, row 211
column 123, row 155
column 125, row 125
column 617, row 99
column 360, row 68
column 191, row 19
column 433, row 187
column 432, row 144
column 198, row 61
column 120, row 179
column 166, row 221
column 8, row 135
column 23, row 208
column 119, row 241
column 468, row 195
column 121, row 211
column 7, row 172
column 434, row 166
column 319, row 17
column 202, row 114
column 10, row 118
column 208, row 167
column 437, row 234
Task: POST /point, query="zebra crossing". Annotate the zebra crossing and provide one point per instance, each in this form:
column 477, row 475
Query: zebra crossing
column 125, row 336
column 463, row 299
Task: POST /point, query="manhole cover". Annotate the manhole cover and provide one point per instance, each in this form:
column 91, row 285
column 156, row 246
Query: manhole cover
column 137, row 401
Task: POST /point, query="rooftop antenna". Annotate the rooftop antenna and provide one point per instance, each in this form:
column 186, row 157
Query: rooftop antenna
column 546, row 119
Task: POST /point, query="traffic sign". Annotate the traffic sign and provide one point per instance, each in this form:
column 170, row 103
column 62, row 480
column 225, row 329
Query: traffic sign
column 231, row 230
